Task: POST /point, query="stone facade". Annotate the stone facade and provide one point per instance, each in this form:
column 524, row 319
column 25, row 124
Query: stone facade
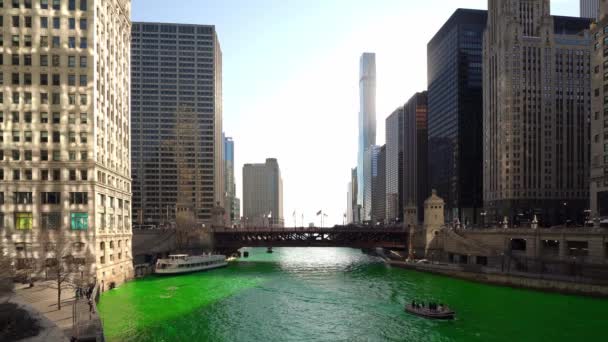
column 536, row 86
column 65, row 127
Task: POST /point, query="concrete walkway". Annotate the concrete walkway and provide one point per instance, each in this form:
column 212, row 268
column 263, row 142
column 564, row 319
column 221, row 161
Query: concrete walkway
column 43, row 298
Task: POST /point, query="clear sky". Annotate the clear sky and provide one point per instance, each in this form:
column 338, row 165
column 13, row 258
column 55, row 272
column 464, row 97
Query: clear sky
column 290, row 73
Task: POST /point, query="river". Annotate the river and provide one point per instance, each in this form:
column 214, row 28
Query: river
column 334, row 294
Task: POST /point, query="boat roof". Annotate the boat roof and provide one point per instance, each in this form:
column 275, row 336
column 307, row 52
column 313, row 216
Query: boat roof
column 177, row 255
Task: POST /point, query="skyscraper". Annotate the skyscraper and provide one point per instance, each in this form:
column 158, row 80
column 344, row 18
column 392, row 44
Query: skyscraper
column 455, row 120
column 367, row 127
column 590, row 9
column 536, row 86
column 599, row 119
column 415, row 160
column 379, row 185
column 263, row 194
column 65, row 131
column 232, row 202
column 176, row 121
column 395, row 129
column 355, row 208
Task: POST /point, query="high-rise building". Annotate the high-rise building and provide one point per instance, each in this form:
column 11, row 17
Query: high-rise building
column 349, row 203
column 176, row 121
column 395, row 129
column 367, row 127
column 415, row 167
column 232, row 202
column 455, row 122
column 599, row 118
column 354, row 206
column 263, row 195
column 65, row 173
column 379, row 185
column 590, row 9
column 370, row 161
column 536, row 86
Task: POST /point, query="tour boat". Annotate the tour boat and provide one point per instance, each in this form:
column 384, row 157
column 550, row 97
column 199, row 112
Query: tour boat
column 183, row 263
column 441, row 313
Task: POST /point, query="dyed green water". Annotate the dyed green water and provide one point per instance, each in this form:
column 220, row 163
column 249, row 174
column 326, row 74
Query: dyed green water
column 337, row 295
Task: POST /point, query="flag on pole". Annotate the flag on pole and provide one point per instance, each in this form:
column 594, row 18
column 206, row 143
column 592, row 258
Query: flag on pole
column 319, row 213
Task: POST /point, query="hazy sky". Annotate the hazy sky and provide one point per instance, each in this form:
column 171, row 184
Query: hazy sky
column 290, row 72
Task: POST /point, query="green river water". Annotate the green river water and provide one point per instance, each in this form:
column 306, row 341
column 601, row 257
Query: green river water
column 327, row 294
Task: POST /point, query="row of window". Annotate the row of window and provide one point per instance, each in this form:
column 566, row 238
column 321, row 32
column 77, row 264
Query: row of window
column 44, row 4
column 55, row 118
column 55, row 79
column 76, row 198
column 26, row 98
column 55, row 41
column 55, row 137
column 25, row 221
column 44, row 22
column 43, row 61
column 46, row 155
column 45, row 175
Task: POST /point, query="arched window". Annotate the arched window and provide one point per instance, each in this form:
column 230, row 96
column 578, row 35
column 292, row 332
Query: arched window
column 102, row 246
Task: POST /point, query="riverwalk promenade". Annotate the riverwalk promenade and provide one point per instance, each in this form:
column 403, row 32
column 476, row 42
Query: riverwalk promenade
column 75, row 318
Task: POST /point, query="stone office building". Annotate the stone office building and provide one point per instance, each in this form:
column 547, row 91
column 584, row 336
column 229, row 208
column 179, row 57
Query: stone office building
column 599, row 116
column 65, row 133
column 536, row 86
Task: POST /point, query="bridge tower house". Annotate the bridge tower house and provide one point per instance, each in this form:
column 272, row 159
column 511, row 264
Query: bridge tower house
column 434, row 220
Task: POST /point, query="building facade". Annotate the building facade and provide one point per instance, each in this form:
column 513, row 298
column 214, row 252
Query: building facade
column 176, row 79
column 455, row 118
column 355, row 209
column 599, row 116
column 590, row 9
column 537, row 93
column 367, row 128
column 263, row 195
column 394, row 128
column 415, row 149
column 379, row 185
column 65, row 170
column 233, row 207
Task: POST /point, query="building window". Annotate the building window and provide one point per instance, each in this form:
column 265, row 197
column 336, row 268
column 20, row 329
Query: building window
column 83, row 24
column 72, row 5
column 23, row 198
column 83, row 5
column 50, row 198
column 78, row 198
column 44, row 4
column 83, row 43
column 56, row 4
column 83, row 61
column 79, row 221
column 50, row 221
column 72, row 61
column 24, row 221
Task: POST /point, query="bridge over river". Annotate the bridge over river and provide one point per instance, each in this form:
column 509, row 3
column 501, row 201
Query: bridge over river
column 152, row 242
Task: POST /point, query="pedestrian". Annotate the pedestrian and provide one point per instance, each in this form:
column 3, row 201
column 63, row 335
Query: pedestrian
column 90, row 305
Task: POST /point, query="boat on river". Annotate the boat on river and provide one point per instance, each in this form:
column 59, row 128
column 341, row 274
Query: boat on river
column 442, row 312
column 184, row 263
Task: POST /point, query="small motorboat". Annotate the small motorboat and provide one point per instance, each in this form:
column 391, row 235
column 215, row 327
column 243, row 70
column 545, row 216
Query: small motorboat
column 442, row 312
column 269, row 250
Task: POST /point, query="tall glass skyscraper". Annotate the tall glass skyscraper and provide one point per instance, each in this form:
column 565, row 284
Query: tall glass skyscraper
column 456, row 112
column 367, row 127
column 232, row 202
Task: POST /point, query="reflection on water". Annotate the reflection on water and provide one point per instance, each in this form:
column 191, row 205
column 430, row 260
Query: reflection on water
column 333, row 294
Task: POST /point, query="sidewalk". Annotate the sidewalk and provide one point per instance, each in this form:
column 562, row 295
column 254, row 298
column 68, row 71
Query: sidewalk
column 43, row 297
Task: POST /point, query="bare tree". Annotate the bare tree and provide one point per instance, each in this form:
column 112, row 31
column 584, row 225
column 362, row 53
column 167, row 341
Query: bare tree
column 60, row 264
column 7, row 272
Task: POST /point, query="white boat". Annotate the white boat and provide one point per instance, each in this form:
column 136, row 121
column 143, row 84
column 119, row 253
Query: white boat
column 184, row 263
